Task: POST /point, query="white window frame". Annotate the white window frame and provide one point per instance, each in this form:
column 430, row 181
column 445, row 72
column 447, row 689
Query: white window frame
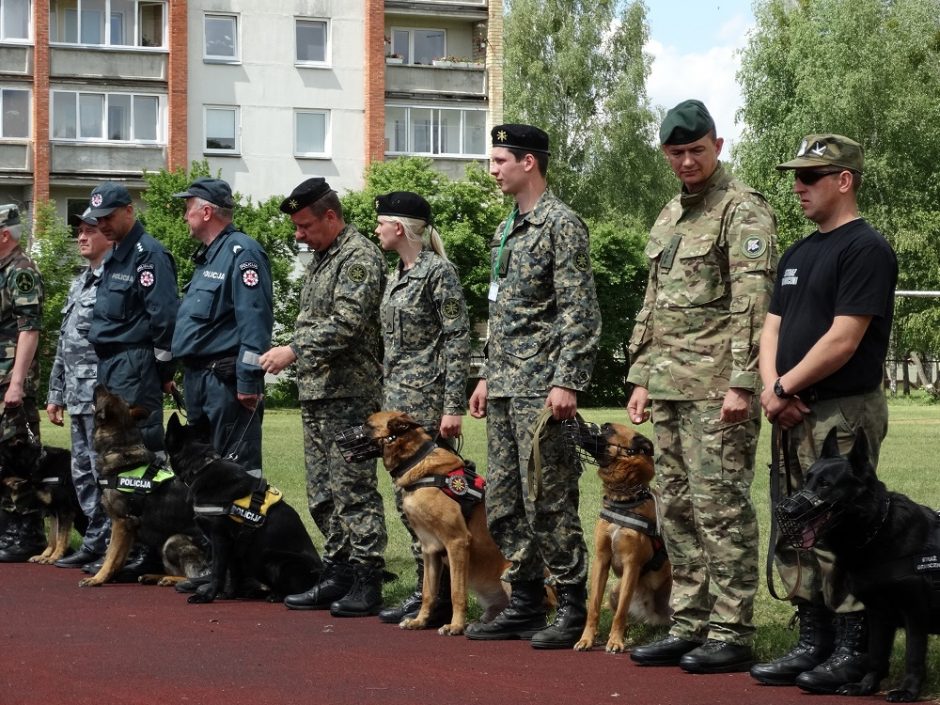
column 221, row 58
column 435, row 113
column 411, row 41
column 327, row 49
column 29, row 25
column 221, row 151
column 327, row 133
column 29, row 116
column 106, row 43
column 160, row 126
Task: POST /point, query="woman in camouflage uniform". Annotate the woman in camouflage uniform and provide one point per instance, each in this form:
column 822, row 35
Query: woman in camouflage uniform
column 427, row 345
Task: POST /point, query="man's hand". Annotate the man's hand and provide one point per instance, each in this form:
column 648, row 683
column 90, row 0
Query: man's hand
column 478, row 400
column 563, row 403
column 451, row 425
column 736, row 406
column 14, row 394
column 276, row 359
column 249, row 401
column 54, row 412
column 637, row 406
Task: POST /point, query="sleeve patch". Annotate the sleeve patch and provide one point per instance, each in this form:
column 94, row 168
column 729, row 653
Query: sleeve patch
column 451, row 307
column 146, row 278
column 582, row 262
column 250, row 276
column 25, row 281
column 356, row 273
column 754, row 247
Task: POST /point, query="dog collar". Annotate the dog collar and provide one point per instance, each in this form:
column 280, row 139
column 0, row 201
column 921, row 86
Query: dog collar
column 619, row 513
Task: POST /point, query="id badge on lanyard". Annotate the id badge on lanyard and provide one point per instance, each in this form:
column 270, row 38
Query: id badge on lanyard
column 501, row 263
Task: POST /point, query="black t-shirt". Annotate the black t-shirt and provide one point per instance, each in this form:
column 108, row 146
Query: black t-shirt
column 850, row 271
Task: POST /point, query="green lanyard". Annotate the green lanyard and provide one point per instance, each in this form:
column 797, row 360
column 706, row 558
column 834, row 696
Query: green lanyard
column 510, row 221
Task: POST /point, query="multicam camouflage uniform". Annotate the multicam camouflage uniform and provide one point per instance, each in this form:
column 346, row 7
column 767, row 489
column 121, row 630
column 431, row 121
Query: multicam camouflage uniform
column 544, row 330
column 72, row 387
column 712, row 262
column 427, row 347
column 337, row 344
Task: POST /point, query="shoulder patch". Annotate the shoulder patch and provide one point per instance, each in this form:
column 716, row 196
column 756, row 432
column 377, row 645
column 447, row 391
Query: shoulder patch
column 582, row 262
column 146, row 278
column 250, row 276
column 356, row 273
column 754, row 247
column 25, row 281
column 451, row 307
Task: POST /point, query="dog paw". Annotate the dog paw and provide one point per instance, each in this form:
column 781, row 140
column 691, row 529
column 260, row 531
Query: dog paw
column 451, row 630
column 89, row 582
column 615, row 646
column 901, row 696
column 412, row 624
column 584, row 645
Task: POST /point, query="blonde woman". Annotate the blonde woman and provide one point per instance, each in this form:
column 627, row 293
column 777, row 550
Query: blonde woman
column 427, row 345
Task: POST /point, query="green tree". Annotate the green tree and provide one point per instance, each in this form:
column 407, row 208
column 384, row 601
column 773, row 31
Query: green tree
column 55, row 253
column 868, row 69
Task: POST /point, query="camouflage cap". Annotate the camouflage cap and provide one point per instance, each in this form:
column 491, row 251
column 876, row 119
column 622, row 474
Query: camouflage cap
column 525, row 137
column 307, row 193
column 215, row 191
column 405, row 204
column 685, row 123
column 827, row 150
column 9, row 215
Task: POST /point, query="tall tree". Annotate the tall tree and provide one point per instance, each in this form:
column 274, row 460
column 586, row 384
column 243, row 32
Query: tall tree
column 868, row 69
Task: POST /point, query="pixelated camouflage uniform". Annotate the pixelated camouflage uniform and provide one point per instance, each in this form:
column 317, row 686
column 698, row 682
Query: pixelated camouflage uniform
column 72, row 387
column 544, row 328
column 426, row 334
column 339, row 374
column 21, row 298
column 712, row 261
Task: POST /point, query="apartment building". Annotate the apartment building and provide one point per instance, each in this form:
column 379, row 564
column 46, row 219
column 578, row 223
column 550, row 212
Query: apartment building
column 268, row 92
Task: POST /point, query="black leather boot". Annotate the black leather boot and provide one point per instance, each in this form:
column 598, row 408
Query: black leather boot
column 335, row 581
column 813, row 646
column 364, row 598
column 27, row 538
column 7, row 533
column 848, row 662
column 566, row 628
column 141, row 560
column 523, row 617
column 409, row 606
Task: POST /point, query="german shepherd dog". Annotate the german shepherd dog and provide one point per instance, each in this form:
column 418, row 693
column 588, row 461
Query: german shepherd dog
column 886, row 545
column 626, row 536
column 260, row 549
column 34, row 474
column 161, row 518
column 453, row 534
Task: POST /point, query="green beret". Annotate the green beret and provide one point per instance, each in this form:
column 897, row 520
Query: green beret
column 685, row 123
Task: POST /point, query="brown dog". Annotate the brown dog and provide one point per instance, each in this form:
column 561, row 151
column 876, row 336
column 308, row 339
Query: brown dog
column 446, row 536
column 626, row 536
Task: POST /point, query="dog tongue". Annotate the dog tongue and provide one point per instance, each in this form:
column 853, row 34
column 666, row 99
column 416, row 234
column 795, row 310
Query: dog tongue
column 809, row 537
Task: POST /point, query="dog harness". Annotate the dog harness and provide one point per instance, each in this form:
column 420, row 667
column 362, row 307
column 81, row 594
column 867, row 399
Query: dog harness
column 462, row 485
column 251, row 510
column 141, row 480
column 621, row 514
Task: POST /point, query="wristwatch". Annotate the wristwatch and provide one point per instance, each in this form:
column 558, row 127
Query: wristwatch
column 779, row 390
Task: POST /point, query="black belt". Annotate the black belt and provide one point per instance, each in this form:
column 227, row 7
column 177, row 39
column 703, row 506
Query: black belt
column 197, row 362
column 812, row 394
column 106, row 350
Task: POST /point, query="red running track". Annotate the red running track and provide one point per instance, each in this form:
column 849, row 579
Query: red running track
column 131, row 644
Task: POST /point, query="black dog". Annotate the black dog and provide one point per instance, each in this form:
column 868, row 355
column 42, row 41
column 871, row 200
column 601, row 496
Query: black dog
column 887, row 546
column 258, row 540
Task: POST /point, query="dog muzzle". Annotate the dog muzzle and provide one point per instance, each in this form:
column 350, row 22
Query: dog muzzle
column 804, row 517
column 356, row 443
column 591, row 443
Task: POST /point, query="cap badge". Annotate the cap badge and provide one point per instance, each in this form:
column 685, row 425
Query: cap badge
column 818, row 149
column 501, row 136
column 96, row 200
column 293, row 203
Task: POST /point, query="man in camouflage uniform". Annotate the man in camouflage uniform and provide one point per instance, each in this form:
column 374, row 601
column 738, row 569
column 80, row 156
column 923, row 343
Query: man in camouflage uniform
column 72, row 387
column 336, row 354
column 694, row 350
column 544, row 327
column 833, row 304
column 21, row 297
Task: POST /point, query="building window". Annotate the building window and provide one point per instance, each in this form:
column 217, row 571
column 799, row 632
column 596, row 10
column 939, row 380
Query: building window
column 312, row 37
column 111, row 117
column 14, row 106
column 130, row 23
column 435, row 131
column 419, row 46
column 221, row 38
column 14, row 19
column 221, row 130
column 311, row 133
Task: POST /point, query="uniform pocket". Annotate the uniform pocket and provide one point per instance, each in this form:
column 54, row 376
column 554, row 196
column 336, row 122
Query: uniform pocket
column 118, row 295
column 202, row 296
column 640, row 330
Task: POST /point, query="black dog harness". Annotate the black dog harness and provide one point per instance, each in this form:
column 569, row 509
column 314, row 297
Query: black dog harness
column 621, row 514
column 462, row 485
column 251, row 510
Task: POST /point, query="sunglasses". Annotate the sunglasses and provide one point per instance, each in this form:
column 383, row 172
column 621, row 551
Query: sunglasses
column 811, row 177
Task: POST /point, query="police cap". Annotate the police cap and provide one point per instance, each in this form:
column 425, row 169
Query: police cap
column 215, row 191
column 306, row 194
column 106, row 198
column 685, row 123
column 405, row 204
column 525, row 137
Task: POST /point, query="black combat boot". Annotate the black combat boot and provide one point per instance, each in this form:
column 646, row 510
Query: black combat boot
column 814, row 646
column 27, row 538
column 7, row 529
column 523, row 617
column 409, row 606
column 565, row 630
column 848, row 662
column 335, row 581
column 364, row 598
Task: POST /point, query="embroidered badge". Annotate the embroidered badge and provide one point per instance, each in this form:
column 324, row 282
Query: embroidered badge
column 457, row 484
column 754, row 247
column 146, row 278
column 501, row 136
column 293, row 204
column 451, row 307
column 582, row 262
column 356, row 273
column 376, row 204
column 25, row 282
column 250, row 278
column 96, row 200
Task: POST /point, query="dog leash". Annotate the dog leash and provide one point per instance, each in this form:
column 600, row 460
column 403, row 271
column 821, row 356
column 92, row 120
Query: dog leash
column 233, row 455
column 779, row 473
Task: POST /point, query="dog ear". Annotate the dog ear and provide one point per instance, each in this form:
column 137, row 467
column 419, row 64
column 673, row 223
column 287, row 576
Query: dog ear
column 858, row 456
column 138, row 413
column 830, row 447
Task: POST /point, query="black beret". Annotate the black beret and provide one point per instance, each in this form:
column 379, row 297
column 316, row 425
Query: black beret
column 106, row 197
column 214, row 191
column 525, row 137
column 687, row 122
column 308, row 193
column 405, row 204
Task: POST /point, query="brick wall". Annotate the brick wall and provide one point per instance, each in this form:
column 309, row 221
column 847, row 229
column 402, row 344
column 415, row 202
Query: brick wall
column 177, row 90
column 41, row 102
column 494, row 62
column 374, row 64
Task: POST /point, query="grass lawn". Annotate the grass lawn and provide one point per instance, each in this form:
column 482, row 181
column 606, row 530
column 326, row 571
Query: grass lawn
column 908, row 464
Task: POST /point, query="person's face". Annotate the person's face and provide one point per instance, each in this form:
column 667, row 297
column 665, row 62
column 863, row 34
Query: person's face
column 197, row 215
column 389, row 233
column 117, row 223
column 92, row 244
column 317, row 232
column 819, row 189
column 511, row 174
column 695, row 162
